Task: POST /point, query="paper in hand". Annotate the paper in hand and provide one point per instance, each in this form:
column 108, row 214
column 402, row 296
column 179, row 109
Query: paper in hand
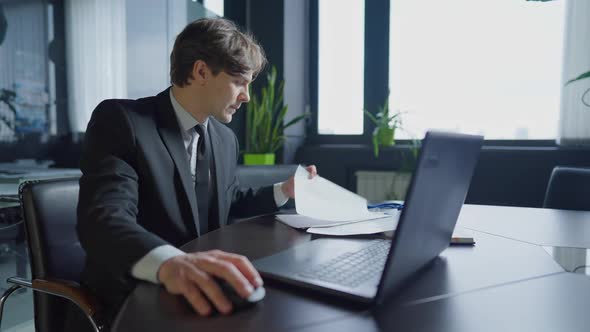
column 322, row 199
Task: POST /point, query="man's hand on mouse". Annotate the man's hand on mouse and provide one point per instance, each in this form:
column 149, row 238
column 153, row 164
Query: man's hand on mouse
column 192, row 275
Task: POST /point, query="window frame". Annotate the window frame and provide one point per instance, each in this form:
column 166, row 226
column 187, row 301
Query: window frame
column 376, row 70
column 376, row 75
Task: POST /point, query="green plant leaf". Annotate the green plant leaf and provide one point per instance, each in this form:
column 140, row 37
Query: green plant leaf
column 279, row 122
column 265, row 116
column 277, row 144
column 581, row 77
column 375, row 145
column 279, row 99
column 295, row 120
column 372, row 117
column 394, row 116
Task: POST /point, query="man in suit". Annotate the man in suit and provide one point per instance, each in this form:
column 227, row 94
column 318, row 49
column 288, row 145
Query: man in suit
column 160, row 171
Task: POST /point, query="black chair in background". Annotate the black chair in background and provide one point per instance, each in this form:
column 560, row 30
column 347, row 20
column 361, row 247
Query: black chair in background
column 57, row 259
column 568, row 189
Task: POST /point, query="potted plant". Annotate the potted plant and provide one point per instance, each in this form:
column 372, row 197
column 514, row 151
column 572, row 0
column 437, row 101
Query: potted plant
column 388, row 185
column 385, row 126
column 264, row 122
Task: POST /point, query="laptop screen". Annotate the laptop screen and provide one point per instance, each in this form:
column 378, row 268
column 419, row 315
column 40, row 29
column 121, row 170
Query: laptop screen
column 433, row 202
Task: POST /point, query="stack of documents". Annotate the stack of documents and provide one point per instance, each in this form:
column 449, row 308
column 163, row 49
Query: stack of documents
column 324, row 207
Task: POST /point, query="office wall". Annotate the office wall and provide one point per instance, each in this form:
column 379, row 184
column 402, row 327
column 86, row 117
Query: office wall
column 151, row 26
column 265, row 19
column 284, row 38
column 296, row 63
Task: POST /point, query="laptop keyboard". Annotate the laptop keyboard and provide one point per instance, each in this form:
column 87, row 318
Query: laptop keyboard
column 352, row 268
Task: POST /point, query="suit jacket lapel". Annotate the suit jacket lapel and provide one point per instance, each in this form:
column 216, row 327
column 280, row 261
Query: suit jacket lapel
column 220, row 162
column 171, row 136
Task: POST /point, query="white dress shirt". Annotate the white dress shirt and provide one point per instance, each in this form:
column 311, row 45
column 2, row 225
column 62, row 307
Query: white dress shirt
column 147, row 267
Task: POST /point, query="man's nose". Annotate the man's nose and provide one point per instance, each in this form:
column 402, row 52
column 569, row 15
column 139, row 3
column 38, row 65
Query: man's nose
column 244, row 97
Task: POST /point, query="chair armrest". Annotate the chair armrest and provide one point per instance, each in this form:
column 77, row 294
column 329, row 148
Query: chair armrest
column 69, row 290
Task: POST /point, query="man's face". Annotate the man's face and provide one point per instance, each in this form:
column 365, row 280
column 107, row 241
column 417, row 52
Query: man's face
column 227, row 93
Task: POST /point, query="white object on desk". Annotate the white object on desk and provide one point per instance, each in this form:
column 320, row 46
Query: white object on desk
column 321, row 199
column 375, row 226
column 299, row 221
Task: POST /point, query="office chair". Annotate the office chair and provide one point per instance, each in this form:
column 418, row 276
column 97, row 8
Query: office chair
column 49, row 212
column 12, row 237
column 568, row 189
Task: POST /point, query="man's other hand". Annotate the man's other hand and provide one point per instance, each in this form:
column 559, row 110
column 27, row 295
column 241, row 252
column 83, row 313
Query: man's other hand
column 192, row 275
column 288, row 186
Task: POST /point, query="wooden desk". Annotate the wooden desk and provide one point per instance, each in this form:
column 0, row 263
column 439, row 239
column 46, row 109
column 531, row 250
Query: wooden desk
column 501, row 283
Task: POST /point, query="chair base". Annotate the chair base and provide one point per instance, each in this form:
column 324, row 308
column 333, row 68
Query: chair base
column 4, row 297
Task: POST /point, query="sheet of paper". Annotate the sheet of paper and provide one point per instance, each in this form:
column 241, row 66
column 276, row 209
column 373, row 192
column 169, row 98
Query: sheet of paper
column 299, row 221
column 364, row 227
column 322, row 199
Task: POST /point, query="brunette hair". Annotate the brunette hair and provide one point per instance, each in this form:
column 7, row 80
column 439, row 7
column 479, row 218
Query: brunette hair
column 220, row 44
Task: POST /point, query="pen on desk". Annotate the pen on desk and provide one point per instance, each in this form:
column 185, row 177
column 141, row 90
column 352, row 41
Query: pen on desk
column 385, row 206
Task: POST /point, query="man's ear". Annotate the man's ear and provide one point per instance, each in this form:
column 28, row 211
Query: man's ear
column 201, row 72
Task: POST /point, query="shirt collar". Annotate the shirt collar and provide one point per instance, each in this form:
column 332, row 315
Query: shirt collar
column 185, row 119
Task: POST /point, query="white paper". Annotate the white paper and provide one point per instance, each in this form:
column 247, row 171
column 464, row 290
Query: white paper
column 322, row 199
column 364, row 227
column 299, row 221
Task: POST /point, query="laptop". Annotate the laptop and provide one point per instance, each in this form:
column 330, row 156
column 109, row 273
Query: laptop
column 370, row 271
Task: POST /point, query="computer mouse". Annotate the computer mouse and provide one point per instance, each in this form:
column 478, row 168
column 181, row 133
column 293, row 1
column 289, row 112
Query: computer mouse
column 235, row 298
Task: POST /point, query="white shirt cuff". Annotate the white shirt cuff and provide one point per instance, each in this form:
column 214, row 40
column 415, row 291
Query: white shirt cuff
column 148, row 266
column 280, row 197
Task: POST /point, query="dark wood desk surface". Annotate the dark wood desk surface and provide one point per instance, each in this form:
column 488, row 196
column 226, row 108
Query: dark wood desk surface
column 499, row 278
column 551, row 303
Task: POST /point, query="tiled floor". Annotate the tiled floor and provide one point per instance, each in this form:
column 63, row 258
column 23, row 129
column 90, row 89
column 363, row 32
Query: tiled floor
column 18, row 310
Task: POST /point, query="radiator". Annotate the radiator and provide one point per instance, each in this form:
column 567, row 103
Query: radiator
column 380, row 186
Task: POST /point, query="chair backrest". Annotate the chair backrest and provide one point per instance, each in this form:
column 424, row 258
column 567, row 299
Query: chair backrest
column 49, row 211
column 568, row 189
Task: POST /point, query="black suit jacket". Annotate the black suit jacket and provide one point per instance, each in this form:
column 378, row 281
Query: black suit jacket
column 136, row 191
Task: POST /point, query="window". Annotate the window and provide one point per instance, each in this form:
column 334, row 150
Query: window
column 341, row 40
column 477, row 66
column 474, row 66
column 216, row 6
column 28, row 77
